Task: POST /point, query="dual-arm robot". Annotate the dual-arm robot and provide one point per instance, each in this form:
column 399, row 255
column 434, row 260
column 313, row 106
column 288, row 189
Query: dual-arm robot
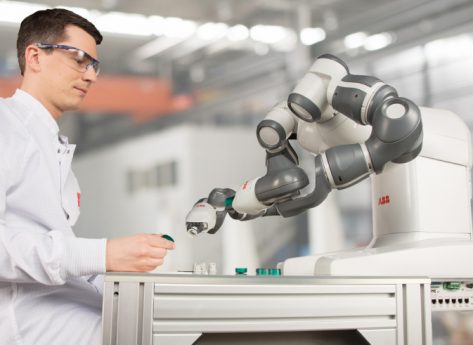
column 357, row 126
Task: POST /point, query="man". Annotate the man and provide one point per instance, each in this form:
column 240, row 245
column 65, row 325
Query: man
column 49, row 291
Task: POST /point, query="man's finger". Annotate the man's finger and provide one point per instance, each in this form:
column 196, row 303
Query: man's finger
column 159, row 242
column 157, row 252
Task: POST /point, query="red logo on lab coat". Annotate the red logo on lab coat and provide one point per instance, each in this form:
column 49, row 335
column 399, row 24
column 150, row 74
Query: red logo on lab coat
column 384, row 200
column 78, row 200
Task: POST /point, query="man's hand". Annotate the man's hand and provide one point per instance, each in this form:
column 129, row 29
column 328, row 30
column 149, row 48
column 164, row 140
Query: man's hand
column 138, row 253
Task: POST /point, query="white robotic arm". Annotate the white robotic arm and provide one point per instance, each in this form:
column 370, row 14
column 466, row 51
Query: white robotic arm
column 325, row 93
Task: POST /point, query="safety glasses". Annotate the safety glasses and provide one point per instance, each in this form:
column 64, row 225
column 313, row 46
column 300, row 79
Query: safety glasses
column 82, row 60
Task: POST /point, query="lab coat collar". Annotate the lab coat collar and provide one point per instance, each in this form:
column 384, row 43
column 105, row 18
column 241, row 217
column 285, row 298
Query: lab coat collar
column 64, row 140
column 34, row 106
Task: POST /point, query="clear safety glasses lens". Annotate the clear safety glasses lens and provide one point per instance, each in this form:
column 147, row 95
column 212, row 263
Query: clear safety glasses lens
column 83, row 61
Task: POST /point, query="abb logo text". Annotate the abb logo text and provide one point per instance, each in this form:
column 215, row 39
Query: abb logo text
column 384, row 200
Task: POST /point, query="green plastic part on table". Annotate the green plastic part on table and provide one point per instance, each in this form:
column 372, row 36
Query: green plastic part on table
column 241, row 270
column 275, row 272
column 167, row 237
column 262, row 271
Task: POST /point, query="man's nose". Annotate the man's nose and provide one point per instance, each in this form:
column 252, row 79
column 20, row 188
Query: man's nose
column 90, row 75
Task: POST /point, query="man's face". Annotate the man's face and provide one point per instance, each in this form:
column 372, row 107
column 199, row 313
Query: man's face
column 64, row 80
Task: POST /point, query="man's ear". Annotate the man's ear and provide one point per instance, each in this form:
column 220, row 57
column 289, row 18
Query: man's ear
column 32, row 58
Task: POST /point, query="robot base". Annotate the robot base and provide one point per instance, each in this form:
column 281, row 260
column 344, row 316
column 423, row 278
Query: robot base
column 433, row 258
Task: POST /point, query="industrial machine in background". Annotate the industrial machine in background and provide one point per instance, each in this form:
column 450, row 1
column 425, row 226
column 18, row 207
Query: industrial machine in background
column 419, row 161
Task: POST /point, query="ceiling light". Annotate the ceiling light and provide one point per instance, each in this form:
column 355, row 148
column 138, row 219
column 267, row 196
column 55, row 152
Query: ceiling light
column 179, row 28
column 157, row 25
column 268, row 33
column 15, row 11
column 449, row 49
column 287, row 44
column 355, row 40
column 124, row 23
column 212, row 31
column 378, row 41
column 310, row 36
column 238, row 33
column 156, row 46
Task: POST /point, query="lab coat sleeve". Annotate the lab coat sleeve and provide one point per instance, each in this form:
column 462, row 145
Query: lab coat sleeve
column 48, row 257
column 83, row 257
column 98, row 281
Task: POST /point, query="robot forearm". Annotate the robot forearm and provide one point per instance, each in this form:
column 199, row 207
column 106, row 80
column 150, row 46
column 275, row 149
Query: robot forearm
column 338, row 168
column 208, row 214
column 316, row 197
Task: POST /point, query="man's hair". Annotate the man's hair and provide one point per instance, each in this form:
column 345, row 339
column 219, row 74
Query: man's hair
column 48, row 26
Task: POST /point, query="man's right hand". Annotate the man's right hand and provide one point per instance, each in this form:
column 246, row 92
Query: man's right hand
column 138, row 253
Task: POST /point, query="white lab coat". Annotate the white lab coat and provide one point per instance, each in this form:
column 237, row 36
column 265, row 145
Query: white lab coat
column 48, row 294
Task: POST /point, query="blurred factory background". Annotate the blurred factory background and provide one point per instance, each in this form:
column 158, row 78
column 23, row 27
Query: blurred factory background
column 184, row 83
